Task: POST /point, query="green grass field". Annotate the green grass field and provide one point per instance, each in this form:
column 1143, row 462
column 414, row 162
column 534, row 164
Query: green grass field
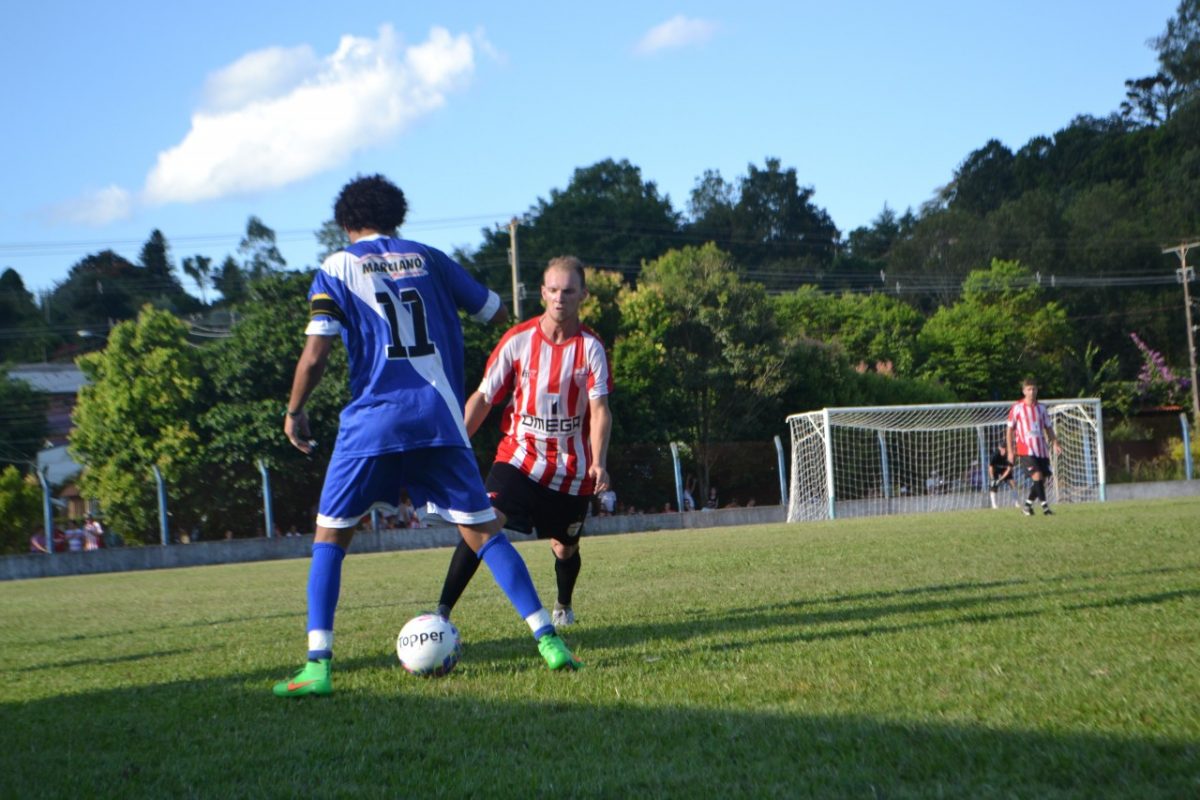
column 973, row 654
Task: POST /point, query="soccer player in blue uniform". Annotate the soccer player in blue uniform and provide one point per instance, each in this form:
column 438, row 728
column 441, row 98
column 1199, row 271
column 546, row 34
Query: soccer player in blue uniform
column 395, row 305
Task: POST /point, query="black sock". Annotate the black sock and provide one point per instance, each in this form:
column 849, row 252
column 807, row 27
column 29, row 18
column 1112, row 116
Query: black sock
column 462, row 568
column 566, row 570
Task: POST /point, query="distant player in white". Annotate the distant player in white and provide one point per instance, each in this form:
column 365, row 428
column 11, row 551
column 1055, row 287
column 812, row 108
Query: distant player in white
column 553, row 457
column 1030, row 427
column 394, row 303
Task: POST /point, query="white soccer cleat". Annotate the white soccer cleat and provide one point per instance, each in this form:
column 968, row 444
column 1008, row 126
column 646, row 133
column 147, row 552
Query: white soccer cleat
column 562, row 616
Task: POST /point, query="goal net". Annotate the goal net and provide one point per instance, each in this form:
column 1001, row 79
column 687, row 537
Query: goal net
column 852, row 462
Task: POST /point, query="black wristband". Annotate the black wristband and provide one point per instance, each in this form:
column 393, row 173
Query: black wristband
column 294, row 414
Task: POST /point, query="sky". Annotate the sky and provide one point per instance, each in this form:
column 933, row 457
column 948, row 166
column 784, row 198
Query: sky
column 189, row 117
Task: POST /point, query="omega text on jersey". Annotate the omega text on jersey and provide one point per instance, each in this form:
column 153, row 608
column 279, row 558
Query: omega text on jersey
column 562, row 426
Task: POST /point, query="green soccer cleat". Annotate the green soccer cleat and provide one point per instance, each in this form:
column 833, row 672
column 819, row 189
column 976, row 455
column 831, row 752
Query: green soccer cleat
column 313, row 678
column 556, row 653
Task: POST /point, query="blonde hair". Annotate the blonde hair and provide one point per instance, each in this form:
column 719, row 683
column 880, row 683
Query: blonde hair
column 568, row 263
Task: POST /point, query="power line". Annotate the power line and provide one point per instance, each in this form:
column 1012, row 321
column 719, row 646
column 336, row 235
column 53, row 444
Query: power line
column 70, row 246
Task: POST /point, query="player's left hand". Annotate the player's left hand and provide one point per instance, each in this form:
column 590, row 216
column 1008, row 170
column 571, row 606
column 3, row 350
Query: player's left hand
column 600, row 475
column 1057, row 448
column 298, row 433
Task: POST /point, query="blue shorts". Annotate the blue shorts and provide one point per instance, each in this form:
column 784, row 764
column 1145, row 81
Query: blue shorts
column 444, row 479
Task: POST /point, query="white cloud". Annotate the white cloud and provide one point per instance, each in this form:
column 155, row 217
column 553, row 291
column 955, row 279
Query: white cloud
column 96, row 209
column 678, row 31
column 264, row 130
column 261, row 75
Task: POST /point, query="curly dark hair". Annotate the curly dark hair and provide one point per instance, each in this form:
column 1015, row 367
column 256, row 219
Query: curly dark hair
column 370, row 202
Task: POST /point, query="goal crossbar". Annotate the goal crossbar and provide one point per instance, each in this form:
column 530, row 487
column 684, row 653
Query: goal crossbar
column 868, row 460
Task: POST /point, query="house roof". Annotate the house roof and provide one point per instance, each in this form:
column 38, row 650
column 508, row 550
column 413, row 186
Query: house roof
column 50, row 378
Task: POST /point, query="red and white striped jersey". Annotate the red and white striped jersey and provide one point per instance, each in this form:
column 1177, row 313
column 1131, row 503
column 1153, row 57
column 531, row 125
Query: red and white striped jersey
column 546, row 423
column 1029, row 424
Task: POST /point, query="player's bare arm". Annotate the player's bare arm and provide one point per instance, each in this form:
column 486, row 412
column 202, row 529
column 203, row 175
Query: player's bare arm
column 1053, row 437
column 601, row 429
column 476, row 412
column 309, row 371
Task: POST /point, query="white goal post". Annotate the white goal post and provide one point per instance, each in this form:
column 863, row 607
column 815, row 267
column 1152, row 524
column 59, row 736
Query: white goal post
column 853, row 462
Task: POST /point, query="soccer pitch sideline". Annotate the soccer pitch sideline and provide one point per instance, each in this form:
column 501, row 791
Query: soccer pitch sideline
column 967, row 654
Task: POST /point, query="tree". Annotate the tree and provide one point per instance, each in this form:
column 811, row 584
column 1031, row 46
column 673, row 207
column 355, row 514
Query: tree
column 139, row 409
column 930, row 264
column 259, row 251
column 24, row 337
column 331, row 239
column 768, row 223
column 199, row 269
column 700, row 356
column 874, row 242
column 251, row 374
column 20, row 509
column 1107, row 231
column 22, row 421
column 607, row 216
column 1000, row 331
column 102, row 288
column 155, row 258
column 601, row 311
column 984, row 180
column 1179, row 47
column 1030, row 229
column 1150, row 101
column 230, row 281
column 876, row 331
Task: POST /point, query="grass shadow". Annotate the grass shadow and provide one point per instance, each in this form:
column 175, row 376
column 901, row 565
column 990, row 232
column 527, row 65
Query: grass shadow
column 231, row 739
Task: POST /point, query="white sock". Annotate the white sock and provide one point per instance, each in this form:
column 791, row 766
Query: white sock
column 538, row 620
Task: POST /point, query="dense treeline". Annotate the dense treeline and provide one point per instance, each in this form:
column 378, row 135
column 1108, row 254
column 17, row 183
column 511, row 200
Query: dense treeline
column 721, row 318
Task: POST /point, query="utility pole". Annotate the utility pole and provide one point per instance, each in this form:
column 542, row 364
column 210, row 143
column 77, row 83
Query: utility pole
column 516, row 272
column 1186, row 274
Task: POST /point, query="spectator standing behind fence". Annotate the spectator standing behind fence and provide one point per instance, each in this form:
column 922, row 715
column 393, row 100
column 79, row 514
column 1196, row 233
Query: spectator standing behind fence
column 407, row 515
column 94, row 532
column 37, row 542
column 608, row 502
column 554, row 454
column 1029, row 426
column 689, row 494
column 1000, row 472
column 395, row 304
column 76, row 539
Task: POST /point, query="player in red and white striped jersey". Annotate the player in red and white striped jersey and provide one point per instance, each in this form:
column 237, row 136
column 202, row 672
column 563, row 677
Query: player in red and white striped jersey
column 556, row 424
column 1030, row 427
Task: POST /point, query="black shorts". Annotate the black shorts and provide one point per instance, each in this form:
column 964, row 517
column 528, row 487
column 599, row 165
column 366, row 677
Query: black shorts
column 532, row 508
column 1032, row 464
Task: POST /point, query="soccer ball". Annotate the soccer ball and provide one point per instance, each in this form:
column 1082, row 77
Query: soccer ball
column 429, row 646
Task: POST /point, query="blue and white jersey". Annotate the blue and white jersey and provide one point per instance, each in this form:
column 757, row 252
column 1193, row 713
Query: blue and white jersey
column 395, row 304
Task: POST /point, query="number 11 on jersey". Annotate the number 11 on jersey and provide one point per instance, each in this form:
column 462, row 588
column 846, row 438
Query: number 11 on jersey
column 411, row 305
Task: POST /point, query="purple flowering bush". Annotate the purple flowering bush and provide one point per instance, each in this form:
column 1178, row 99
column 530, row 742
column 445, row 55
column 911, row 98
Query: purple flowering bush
column 1156, row 383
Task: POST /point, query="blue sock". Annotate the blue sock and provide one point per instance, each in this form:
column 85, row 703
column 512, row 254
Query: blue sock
column 511, row 574
column 324, row 584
